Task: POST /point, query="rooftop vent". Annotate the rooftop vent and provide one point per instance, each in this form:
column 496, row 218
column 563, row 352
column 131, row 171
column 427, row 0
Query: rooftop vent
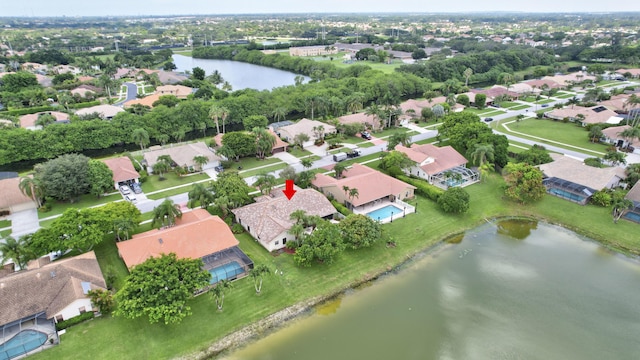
column 160, row 241
column 53, row 274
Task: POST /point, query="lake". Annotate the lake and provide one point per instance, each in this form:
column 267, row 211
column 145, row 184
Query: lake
column 239, row 74
column 510, row 290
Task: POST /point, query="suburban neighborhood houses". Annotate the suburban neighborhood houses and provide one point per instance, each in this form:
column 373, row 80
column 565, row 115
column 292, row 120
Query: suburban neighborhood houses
column 143, row 183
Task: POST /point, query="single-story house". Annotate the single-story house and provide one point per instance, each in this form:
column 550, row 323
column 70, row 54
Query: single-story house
column 541, row 83
column 441, row 166
column 123, row 171
column 12, row 199
column 594, row 115
column 633, row 214
column 497, row 90
column 412, row 108
column 66, row 69
column 369, row 121
column 570, row 79
column 304, row 126
column 179, row 91
column 123, row 73
column 373, row 187
column 183, row 155
column 145, row 101
column 277, row 125
column 573, row 180
column 106, row 112
column 85, row 90
column 316, row 50
column 635, row 73
column 197, row 235
column 618, row 103
column 47, row 293
column 612, row 136
column 31, row 66
column 443, row 99
column 268, row 220
column 472, row 98
column 29, row 121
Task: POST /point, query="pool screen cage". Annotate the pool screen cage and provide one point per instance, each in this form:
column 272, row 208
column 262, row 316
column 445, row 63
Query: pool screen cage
column 569, row 190
column 457, row 176
column 227, row 256
column 37, row 322
column 633, row 214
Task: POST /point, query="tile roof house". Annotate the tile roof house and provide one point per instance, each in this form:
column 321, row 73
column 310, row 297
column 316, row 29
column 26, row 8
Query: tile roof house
column 304, row 126
column 12, row 199
column 570, row 79
column 183, row 155
column 369, row 121
column 38, row 297
column 497, row 90
column 635, row 73
column 145, row 101
column 612, row 136
column 123, row 170
column 540, row 83
column 268, row 220
column 179, row 91
column 594, row 115
column 106, row 112
column 373, row 186
column 29, row 121
column 279, row 146
column 85, row 90
column 438, row 165
column 572, row 179
column 412, row 108
column 618, row 103
column 634, row 195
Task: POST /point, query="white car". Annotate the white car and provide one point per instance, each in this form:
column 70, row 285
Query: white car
column 131, row 198
column 125, row 190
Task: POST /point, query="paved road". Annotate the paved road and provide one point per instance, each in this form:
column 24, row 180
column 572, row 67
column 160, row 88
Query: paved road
column 132, row 93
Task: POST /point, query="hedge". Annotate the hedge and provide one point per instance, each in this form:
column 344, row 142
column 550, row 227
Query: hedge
column 84, row 104
column 423, row 187
column 31, row 110
column 74, row 320
column 341, row 208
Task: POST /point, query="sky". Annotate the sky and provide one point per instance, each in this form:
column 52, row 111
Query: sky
column 176, row 7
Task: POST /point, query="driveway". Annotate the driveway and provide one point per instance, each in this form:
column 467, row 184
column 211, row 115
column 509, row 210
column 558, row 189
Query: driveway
column 24, row 222
column 132, row 93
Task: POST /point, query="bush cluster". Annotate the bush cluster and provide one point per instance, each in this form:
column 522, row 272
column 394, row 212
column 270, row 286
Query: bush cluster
column 74, row 320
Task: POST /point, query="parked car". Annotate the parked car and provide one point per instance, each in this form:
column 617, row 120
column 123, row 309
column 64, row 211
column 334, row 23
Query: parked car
column 365, row 135
column 131, row 198
column 544, row 105
column 340, row 157
column 124, row 189
column 488, row 119
column 354, row 153
column 136, row 188
column 219, row 168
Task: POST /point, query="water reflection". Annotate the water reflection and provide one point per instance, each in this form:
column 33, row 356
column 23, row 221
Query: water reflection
column 516, row 228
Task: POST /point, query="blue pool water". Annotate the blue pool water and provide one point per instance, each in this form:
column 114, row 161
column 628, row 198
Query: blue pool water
column 632, row 216
column 22, row 343
column 384, row 212
column 567, row 195
column 225, row 271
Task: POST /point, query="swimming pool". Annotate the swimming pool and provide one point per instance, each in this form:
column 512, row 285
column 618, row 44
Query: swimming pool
column 567, row 195
column 384, row 212
column 632, row 216
column 22, row 343
column 226, row 271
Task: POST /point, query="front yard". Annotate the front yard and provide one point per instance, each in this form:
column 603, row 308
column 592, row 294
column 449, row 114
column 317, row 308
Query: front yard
column 153, row 182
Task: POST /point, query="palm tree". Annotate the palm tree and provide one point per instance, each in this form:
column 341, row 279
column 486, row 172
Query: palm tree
column 595, row 133
column 374, row 111
column 45, row 119
column 353, row 193
column 467, row 74
column 163, row 138
column 482, row 153
column 16, row 250
column 200, row 160
column 573, row 101
column 257, row 273
column 141, row 137
column 297, row 230
column 161, row 168
column 485, row 169
column 123, row 226
column 31, row 187
column 223, row 203
column 355, row 102
column 264, row 141
column 346, row 190
column 615, row 157
column 630, row 134
column 339, row 168
column 633, row 99
column 279, row 113
column 199, row 194
column 265, row 182
column 215, row 113
column 619, row 206
column 179, row 135
column 313, row 103
column 166, row 214
column 217, row 292
column 202, row 126
column 299, row 216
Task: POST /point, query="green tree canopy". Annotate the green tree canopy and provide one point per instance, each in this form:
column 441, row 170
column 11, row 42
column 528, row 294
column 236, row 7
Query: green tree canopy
column 523, row 183
column 360, row 231
column 454, row 200
column 64, row 178
column 241, row 143
column 159, row 289
column 100, row 178
column 255, row 121
column 231, row 185
column 323, row 245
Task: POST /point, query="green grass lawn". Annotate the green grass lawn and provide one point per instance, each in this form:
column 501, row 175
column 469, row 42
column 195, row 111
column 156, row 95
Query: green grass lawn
column 116, row 338
column 153, row 182
column 366, row 144
column 5, row 223
column 567, row 133
column 509, row 104
column 267, row 169
column 479, row 112
column 520, row 107
column 564, row 95
column 427, row 141
column 353, row 140
column 390, row 131
column 252, row 162
column 85, row 201
column 171, row 192
column 299, row 153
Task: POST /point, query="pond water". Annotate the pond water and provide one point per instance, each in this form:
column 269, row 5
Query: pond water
column 239, row 74
column 510, row 290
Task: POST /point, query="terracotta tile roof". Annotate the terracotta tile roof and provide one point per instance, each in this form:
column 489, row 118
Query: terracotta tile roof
column 633, row 72
column 304, row 126
column 618, row 103
column 594, row 115
column 568, row 79
column 433, row 159
column 11, row 194
column 29, row 120
column 196, row 235
column 179, row 91
column 495, row 91
column 122, row 169
column 371, row 184
column 49, row 288
column 280, row 144
column 541, row 82
column 145, row 101
column 181, row 154
column 271, row 216
column 106, row 111
column 613, row 133
column 360, row 118
column 566, row 168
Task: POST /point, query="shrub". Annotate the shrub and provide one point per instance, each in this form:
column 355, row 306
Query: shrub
column 74, row 320
column 601, row 198
column 425, row 189
column 341, row 208
column 237, row 228
column 454, row 200
column 595, row 162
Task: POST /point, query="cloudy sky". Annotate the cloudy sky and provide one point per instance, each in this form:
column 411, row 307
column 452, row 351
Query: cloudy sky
column 168, row 7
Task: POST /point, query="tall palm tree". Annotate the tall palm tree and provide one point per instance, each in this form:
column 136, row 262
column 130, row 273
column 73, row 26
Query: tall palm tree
column 264, row 141
column 215, row 113
column 200, row 160
column 482, row 153
column 630, row 134
column 16, row 250
column 199, row 194
column 374, row 111
column 299, row 216
column 297, row 230
column 355, row 102
column 217, row 292
column 124, row 227
column 339, row 168
column 265, row 182
column 257, row 273
column 467, row 74
column 353, row 193
column 224, row 114
column 31, row 187
column 166, row 214
column 346, row 190
column 224, row 204
column 279, row 113
column 141, row 137
column 618, row 207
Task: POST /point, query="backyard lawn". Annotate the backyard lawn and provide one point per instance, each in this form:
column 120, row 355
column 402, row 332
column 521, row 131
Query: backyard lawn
column 111, row 338
column 299, row 153
column 153, row 182
column 567, row 133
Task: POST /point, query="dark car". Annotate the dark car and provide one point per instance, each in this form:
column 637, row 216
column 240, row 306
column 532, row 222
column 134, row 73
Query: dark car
column 545, row 105
column 218, row 168
column 488, row 119
column 365, row 135
column 136, row 188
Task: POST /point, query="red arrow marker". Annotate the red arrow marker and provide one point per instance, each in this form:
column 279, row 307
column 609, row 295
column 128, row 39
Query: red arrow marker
column 289, row 191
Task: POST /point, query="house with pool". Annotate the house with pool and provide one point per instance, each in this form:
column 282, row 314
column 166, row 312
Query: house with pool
column 633, row 214
column 573, row 180
column 268, row 220
column 443, row 167
column 34, row 300
column 197, row 235
column 379, row 196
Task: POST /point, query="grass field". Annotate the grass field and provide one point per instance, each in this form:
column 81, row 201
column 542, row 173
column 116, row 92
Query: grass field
column 171, row 192
column 111, row 337
column 153, row 182
column 252, row 162
column 299, row 153
column 5, row 223
column 85, row 201
column 339, row 62
column 254, row 172
column 567, row 133
column 564, row 95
